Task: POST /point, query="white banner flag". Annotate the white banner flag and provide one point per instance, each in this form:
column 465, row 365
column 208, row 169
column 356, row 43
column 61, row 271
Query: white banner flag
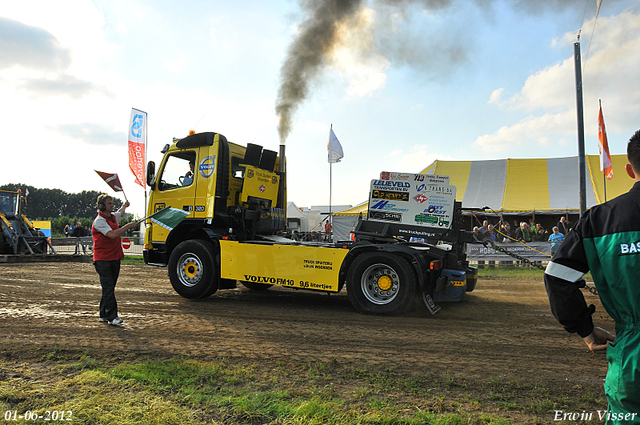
column 138, row 144
column 335, row 148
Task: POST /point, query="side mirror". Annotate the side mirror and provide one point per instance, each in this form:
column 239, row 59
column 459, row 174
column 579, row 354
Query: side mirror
column 151, row 172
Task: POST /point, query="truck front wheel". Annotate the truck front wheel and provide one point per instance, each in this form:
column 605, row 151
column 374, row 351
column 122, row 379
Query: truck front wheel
column 380, row 283
column 192, row 269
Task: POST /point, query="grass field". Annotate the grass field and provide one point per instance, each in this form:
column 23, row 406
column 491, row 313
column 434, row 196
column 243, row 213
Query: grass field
column 172, row 391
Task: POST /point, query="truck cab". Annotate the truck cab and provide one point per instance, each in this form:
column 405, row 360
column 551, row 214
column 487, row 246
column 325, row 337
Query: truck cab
column 228, row 190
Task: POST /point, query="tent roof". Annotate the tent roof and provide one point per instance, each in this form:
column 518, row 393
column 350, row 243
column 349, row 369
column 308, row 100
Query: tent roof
column 525, row 185
column 358, row 209
column 293, row 211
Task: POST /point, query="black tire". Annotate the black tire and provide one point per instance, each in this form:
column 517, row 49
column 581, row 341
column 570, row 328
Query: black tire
column 256, row 286
column 192, row 269
column 380, row 283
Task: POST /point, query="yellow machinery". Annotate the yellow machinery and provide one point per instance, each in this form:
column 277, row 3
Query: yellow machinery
column 18, row 236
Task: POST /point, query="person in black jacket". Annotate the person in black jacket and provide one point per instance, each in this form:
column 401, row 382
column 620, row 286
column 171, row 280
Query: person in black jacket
column 563, row 226
column 606, row 241
column 78, row 232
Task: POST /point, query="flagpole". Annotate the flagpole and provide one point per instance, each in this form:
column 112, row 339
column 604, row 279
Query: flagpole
column 330, row 190
column 581, row 152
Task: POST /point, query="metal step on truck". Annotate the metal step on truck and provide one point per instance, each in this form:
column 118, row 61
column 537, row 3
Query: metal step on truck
column 409, row 244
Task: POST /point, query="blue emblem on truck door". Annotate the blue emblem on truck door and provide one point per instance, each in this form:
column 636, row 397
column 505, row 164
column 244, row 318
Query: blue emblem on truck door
column 207, row 166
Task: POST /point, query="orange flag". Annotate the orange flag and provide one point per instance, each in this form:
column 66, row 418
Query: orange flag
column 603, row 147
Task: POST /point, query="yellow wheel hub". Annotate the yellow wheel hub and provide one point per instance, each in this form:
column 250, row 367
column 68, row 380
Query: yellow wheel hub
column 385, row 283
column 190, row 269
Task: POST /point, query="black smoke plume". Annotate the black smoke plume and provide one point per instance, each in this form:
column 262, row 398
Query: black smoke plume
column 307, row 54
column 319, row 34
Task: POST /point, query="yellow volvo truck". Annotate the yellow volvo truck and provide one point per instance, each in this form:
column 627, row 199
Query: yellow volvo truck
column 409, row 244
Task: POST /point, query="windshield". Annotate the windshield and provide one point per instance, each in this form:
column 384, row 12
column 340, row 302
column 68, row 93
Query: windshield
column 8, row 203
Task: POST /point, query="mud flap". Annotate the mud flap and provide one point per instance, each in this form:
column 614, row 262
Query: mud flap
column 441, row 283
column 431, row 305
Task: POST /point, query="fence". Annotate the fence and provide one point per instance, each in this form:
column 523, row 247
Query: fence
column 533, row 251
column 84, row 246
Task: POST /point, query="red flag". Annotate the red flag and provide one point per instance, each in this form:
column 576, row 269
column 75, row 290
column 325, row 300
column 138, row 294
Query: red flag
column 111, row 179
column 603, row 147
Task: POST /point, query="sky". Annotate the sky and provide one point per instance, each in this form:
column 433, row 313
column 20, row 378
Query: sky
column 402, row 83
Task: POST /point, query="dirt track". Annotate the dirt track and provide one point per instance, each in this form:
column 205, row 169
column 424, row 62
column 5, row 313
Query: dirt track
column 503, row 329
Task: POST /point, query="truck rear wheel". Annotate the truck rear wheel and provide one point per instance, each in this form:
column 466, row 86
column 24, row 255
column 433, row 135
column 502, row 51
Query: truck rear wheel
column 192, row 269
column 380, row 283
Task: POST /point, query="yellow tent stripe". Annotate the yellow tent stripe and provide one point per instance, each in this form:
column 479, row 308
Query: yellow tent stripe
column 527, row 185
column 458, row 172
column 620, row 183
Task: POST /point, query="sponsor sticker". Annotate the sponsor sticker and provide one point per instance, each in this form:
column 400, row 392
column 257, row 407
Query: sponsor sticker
column 377, row 215
column 393, row 196
column 421, row 198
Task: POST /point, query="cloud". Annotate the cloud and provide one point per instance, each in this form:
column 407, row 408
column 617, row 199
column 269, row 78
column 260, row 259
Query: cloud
column 91, row 133
column 30, row 47
column 353, row 55
column 416, row 159
column 34, row 60
column 549, row 95
column 528, row 132
column 496, row 97
column 62, row 85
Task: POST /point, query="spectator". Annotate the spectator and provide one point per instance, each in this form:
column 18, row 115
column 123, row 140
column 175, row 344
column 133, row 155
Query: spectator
column 564, row 226
column 523, row 233
column 67, row 230
column 506, row 235
column 78, row 232
column 484, row 227
column 556, row 239
column 490, row 233
column 541, row 234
